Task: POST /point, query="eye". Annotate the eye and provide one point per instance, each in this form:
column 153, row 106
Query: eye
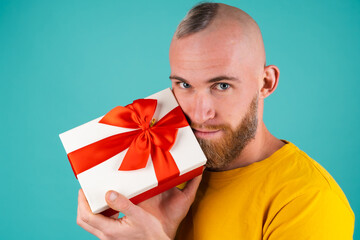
column 222, row 86
column 184, row 85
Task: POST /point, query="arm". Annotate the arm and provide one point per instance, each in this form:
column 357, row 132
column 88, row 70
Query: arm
column 155, row 218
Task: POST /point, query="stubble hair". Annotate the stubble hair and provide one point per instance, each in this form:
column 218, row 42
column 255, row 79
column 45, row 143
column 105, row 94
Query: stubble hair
column 221, row 152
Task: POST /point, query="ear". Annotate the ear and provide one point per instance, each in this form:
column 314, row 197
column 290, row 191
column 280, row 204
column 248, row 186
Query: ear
column 270, row 80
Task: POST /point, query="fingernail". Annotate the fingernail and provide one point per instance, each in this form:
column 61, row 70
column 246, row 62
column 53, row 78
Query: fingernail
column 113, row 196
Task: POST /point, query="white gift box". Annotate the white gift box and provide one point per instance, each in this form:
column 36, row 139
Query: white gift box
column 137, row 185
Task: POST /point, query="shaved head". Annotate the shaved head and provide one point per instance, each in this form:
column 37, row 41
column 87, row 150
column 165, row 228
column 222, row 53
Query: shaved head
column 247, row 29
column 223, row 25
column 224, row 19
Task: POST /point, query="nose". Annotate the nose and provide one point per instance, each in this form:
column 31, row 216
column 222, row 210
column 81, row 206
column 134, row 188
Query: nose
column 203, row 108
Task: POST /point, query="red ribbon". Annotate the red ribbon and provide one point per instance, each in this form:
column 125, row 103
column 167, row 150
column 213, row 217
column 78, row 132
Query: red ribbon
column 156, row 140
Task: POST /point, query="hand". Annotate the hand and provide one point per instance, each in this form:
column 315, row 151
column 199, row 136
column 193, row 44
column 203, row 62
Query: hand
column 156, row 218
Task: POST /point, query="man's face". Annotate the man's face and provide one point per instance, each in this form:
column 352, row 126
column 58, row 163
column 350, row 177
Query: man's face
column 217, row 88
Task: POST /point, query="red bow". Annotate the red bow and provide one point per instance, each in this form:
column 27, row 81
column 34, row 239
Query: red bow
column 155, row 139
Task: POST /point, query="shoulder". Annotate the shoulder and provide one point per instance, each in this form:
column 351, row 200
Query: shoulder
column 304, row 197
column 295, row 175
column 294, row 165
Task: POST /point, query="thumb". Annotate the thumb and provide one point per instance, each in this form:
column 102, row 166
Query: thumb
column 120, row 203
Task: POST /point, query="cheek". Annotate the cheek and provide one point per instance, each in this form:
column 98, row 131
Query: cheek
column 232, row 112
column 183, row 101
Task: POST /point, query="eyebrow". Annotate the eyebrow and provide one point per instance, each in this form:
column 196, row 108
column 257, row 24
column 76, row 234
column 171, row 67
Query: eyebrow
column 212, row 80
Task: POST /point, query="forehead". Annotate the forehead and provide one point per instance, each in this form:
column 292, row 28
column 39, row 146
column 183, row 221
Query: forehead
column 202, row 46
column 207, row 54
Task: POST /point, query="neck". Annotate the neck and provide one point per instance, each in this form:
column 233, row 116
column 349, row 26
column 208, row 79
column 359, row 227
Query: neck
column 261, row 147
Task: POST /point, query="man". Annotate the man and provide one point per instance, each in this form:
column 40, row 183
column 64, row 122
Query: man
column 255, row 186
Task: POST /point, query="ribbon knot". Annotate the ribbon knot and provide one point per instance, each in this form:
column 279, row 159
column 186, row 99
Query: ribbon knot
column 148, row 138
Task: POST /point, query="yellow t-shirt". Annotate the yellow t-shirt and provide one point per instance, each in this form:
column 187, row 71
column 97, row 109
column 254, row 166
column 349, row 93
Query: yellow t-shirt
column 286, row 196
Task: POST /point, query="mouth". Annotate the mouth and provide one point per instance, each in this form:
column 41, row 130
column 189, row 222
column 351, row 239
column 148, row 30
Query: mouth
column 206, row 134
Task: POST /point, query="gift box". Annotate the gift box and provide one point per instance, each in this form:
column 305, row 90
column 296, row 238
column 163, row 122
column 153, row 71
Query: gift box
column 139, row 150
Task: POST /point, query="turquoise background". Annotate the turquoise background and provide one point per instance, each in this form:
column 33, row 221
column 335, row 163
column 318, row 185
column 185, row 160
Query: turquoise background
column 63, row 63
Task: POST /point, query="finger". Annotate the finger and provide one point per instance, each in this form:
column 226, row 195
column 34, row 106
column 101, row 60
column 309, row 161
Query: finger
column 191, row 187
column 86, row 226
column 92, row 230
column 120, row 203
column 82, row 202
column 183, row 185
column 96, row 221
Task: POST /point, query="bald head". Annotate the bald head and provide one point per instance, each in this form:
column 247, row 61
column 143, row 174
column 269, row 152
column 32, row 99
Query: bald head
column 233, row 24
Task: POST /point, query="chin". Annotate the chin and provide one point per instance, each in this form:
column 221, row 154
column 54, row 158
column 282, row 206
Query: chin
column 216, row 167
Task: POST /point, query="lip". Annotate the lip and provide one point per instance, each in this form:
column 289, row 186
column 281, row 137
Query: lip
column 204, row 133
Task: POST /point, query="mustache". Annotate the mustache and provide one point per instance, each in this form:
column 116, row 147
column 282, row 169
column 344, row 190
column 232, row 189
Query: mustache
column 210, row 127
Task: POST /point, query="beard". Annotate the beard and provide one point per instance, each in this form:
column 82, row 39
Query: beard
column 221, row 152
